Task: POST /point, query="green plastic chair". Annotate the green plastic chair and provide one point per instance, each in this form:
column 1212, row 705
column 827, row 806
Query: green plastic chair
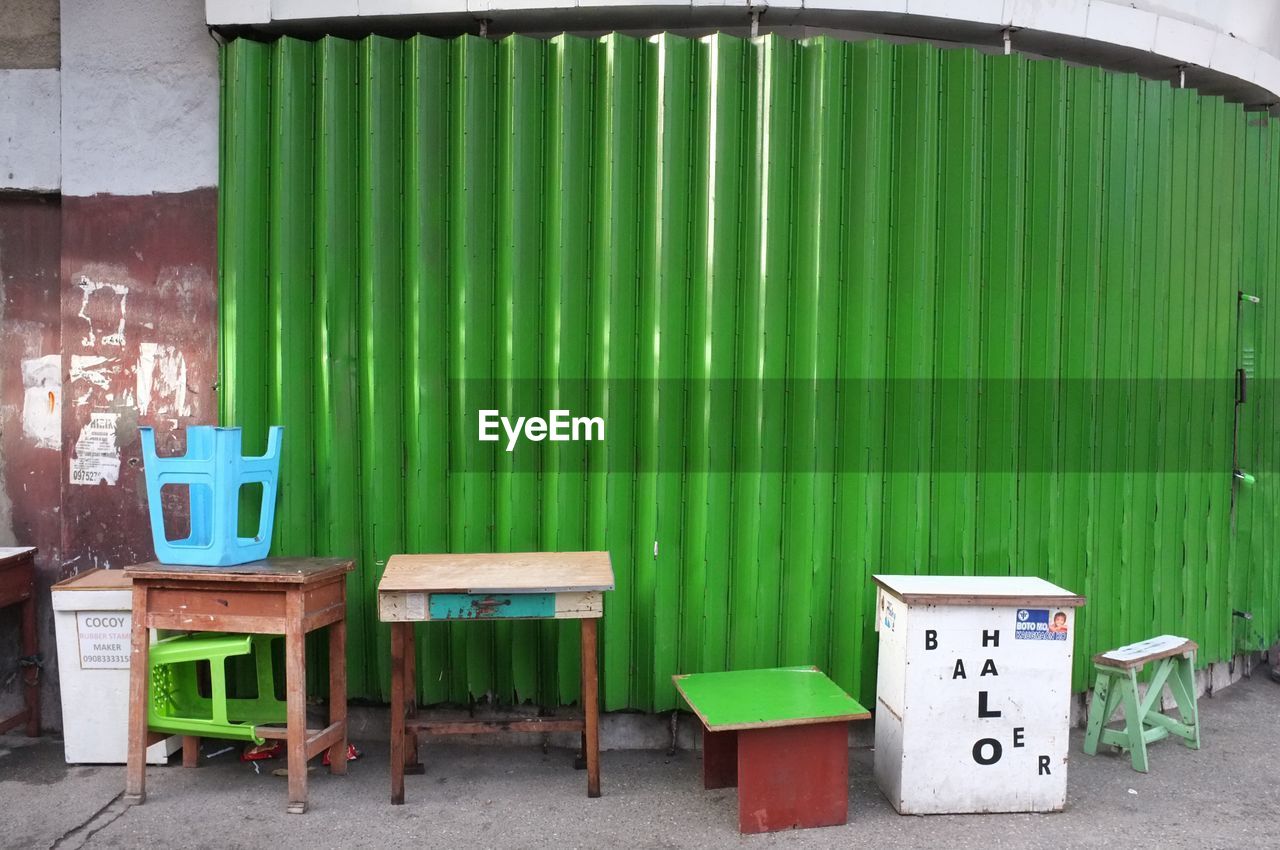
column 178, row 707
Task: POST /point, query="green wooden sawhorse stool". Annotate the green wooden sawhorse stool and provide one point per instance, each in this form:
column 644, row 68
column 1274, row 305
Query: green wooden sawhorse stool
column 1117, row 686
column 782, row 737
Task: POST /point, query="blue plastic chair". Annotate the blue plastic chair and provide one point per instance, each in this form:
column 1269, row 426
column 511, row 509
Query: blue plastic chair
column 214, row 471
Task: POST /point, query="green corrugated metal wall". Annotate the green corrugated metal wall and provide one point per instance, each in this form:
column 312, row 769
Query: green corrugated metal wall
column 1000, row 295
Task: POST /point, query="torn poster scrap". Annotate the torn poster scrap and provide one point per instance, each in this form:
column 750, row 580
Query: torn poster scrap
column 42, row 401
column 96, row 457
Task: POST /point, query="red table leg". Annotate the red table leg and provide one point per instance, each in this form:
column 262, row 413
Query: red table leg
column 338, row 694
column 397, row 712
column 412, row 762
column 190, row 751
column 135, row 782
column 719, row 759
column 295, row 677
column 591, row 706
column 793, row 777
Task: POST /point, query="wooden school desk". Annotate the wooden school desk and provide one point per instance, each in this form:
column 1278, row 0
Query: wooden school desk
column 508, row 586
column 275, row 596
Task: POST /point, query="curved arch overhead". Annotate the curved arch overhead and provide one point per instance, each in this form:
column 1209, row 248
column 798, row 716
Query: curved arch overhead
column 844, row 308
column 1228, row 47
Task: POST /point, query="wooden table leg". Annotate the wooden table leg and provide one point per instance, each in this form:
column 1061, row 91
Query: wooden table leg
column 31, row 676
column 338, row 695
column 295, row 659
column 591, row 705
column 412, row 764
column 793, row 777
column 190, row 751
column 397, row 712
column 719, row 759
column 139, row 672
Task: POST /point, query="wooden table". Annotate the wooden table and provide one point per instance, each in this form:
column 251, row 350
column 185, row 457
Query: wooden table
column 17, row 587
column 782, row 737
column 288, row 596
column 510, row 586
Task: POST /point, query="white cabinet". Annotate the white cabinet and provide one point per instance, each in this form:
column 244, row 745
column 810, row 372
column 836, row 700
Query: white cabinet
column 973, row 693
column 92, row 617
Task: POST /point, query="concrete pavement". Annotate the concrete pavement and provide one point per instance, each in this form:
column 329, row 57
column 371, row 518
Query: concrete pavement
column 1225, row 795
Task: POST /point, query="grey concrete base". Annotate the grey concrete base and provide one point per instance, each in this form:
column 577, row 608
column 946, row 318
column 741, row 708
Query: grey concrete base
column 623, row 730
column 619, row 730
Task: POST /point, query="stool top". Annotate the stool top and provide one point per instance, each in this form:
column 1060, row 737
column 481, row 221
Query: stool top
column 759, row 699
column 268, row 570
column 1152, row 649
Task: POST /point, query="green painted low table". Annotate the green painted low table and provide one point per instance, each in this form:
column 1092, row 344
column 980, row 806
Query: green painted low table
column 782, row 737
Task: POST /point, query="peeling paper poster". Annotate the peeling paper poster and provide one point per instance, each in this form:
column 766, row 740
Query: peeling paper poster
column 162, row 381
column 42, row 401
column 97, row 457
column 103, row 308
column 91, row 373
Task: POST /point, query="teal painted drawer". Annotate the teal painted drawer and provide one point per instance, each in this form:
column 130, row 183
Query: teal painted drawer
column 490, row 606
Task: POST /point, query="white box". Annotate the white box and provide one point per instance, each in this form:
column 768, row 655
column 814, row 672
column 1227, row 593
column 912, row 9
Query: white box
column 973, row 693
column 92, row 617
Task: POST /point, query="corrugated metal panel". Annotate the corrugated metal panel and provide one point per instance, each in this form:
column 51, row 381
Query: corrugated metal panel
column 845, row 308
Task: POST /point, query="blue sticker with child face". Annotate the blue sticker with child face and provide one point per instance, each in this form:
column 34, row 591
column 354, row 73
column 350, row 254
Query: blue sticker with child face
column 1040, row 624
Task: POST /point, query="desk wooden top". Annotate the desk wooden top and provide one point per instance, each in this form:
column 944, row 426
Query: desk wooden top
column 762, row 699
column 10, row 555
column 508, row 572
column 268, row 570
